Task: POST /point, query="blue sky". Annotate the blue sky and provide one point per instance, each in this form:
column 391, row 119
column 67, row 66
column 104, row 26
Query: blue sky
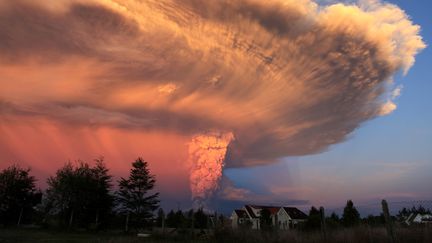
column 388, row 157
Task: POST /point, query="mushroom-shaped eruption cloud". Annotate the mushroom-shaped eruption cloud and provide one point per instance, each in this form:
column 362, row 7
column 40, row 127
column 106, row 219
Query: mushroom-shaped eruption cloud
column 285, row 77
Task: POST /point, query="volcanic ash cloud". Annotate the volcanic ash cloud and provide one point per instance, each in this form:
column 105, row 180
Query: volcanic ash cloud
column 285, row 77
column 206, row 160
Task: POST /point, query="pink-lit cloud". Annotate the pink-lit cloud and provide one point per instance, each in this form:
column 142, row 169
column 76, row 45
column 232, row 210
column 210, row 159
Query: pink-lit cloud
column 117, row 78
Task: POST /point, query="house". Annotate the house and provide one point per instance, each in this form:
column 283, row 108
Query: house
column 281, row 217
column 418, row 218
column 290, row 217
column 254, row 214
column 239, row 217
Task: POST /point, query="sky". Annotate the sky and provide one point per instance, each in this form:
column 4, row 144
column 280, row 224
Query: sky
column 388, row 157
column 231, row 102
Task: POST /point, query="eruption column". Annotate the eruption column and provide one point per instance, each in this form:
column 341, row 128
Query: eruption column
column 206, row 159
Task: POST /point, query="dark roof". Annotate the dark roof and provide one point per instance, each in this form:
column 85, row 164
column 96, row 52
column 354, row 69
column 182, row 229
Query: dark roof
column 250, row 211
column 411, row 217
column 425, row 217
column 295, row 213
column 273, row 210
column 241, row 213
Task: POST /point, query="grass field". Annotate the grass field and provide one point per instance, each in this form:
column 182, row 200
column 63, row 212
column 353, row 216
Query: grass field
column 354, row 235
column 36, row 236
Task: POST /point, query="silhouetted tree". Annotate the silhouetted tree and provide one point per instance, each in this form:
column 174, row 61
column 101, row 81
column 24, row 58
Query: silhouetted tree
column 180, row 219
column 333, row 221
column 200, row 219
column 350, row 215
column 171, row 219
column 80, row 195
column 189, row 219
column 421, row 210
column 160, row 217
column 373, row 220
column 103, row 200
column 135, row 197
column 65, row 191
column 404, row 212
column 335, row 217
column 265, row 219
column 314, row 219
column 221, row 219
column 17, row 194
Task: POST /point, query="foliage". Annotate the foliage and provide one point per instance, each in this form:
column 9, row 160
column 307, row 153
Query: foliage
column 135, row 197
column 200, row 219
column 192, row 219
column 80, row 195
column 350, row 215
column 375, row 221
column 404, row 212
column 176, row 219
column 314, row 219
column 18, row 195
column 171, row 219
column 103, row 199
column 265, row 219
column 160, row 218
column 333, row 222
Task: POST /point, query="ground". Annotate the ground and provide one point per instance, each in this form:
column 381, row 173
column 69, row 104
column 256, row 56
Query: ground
column 36, row 236
column 355, row 235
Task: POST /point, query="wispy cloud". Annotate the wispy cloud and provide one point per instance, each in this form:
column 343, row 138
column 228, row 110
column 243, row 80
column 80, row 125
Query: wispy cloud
column 285, row 77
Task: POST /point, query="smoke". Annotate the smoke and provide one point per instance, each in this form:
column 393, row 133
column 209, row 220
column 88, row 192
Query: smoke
column 206, row 159
column 285, row 77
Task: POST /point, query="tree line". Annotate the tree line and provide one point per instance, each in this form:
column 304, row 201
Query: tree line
column 79, row 196
column 316, row 219
column 351, row 217
column 190, row 219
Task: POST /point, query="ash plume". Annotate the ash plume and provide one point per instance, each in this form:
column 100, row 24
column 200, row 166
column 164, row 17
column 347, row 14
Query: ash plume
column 285, row 77
column 207, row 153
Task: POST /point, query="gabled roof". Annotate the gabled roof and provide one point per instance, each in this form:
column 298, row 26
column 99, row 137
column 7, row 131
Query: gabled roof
column 241, row 213
column 273, row 210
column 410, row 218
column 295, row 213
column 425, row 218
column 250, row 212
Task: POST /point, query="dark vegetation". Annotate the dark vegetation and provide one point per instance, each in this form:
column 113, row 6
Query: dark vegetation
column 133, row 197
column 80, row 205
column 79, row 196
column 358, row 234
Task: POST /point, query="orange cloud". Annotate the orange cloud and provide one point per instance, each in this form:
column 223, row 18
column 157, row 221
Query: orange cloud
column 206, row 160
column 115, row 77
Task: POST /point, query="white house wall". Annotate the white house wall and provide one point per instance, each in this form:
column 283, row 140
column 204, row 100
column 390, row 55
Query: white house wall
column 284, row 219
column 234, row 220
